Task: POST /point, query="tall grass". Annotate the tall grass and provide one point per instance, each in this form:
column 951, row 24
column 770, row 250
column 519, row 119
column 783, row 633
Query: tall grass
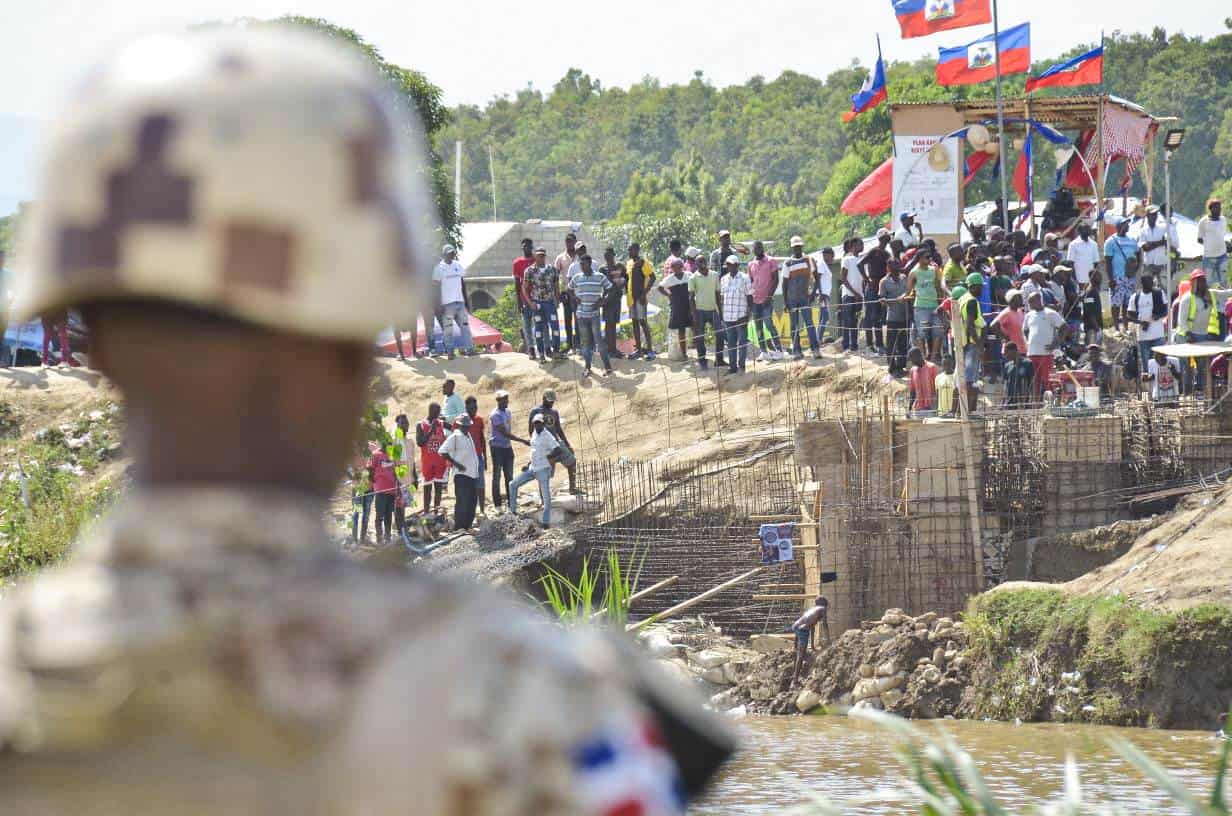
column 941, row 779
column 601, row 592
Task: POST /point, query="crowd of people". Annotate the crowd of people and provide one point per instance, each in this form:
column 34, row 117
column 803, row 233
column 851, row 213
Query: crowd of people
column 1001, row 308
column 456, row 446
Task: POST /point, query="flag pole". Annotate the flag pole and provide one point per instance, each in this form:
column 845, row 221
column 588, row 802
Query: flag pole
column 1005, row 194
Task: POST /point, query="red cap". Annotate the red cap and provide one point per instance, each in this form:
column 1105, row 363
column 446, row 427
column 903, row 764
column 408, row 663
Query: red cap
column 1197, row 273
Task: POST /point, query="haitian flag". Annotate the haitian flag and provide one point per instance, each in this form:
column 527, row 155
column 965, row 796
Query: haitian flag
column 872, row 93
column 919, row 18
column 976, row 62
column 1085, row 69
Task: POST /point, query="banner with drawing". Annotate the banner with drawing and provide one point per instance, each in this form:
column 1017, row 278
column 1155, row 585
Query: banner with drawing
column 776, row 540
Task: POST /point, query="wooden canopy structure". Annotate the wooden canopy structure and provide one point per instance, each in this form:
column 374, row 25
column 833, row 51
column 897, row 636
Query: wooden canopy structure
column 1063, row 112
column 1082, row 113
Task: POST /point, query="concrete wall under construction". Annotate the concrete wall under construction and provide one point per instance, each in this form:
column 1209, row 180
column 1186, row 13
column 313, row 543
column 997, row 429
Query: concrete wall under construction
column 895, row 506
column 891, row 501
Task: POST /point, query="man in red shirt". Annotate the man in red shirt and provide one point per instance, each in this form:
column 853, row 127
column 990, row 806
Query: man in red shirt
column 524, row 307
column 764, row 275
column 385, row 486
column 429, row 434
column 481, row 448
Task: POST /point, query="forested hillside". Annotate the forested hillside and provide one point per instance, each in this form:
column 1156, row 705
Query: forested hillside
column 771, row 157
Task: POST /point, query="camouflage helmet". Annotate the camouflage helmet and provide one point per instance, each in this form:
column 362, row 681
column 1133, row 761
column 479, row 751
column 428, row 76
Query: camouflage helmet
column 261, row 174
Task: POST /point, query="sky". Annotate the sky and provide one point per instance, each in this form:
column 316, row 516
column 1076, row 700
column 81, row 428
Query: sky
column 476, row 50
column 479, row 49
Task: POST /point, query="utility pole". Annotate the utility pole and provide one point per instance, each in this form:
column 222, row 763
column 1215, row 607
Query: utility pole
column 492, row 175
column 457, row 178
column 1005, row 190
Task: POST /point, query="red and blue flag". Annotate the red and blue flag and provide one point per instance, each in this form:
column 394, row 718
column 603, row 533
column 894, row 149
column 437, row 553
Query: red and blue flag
column 872, row 93
column 976, row 62
column 1084, row 69
column 919, row 18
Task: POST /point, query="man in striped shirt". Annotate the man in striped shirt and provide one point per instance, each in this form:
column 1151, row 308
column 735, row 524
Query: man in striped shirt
column 589, row 290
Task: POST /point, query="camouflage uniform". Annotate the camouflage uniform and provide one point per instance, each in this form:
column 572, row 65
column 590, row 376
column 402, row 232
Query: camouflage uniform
column 207, row 650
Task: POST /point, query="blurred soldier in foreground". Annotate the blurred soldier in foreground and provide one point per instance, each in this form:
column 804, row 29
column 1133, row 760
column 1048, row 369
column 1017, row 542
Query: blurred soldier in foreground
column 232, row 211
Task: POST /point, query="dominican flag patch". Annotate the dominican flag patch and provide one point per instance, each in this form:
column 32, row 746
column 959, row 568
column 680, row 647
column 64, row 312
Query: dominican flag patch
column 627, row 771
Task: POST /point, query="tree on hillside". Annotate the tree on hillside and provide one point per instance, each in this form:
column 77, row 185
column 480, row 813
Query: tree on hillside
column 770, row 158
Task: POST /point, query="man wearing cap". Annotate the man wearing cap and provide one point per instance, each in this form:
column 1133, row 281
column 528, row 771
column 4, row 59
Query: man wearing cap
column 909, row 233
column 551, row 421
column 500, row 442
column 544, row 449
column 541, row 285
column 1123, row 254
column 967, row 331
column 454, row 302
column 525, row 308
column 718, row 264
column 458, row 450
column 1197, row 320
column 1152, row 236
column 562, row 263
column 798, row 290
column 1213, row 235
column 207, row 647
column 588, row 290
column 718, row 257
column 735, row 300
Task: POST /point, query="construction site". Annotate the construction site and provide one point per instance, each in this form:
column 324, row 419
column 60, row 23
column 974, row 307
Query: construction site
column 894, row 512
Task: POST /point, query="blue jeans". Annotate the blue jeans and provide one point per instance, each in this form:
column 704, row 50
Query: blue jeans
column 454, row 320
column 1144, row 352
column 545, row 323
column 708, row 320
column 763, row 317
column 737, row 344
column 1215, row 269
column 361, row 504
column 544, row 477
column 823, row 318
column 590, row 333
column 802, row 314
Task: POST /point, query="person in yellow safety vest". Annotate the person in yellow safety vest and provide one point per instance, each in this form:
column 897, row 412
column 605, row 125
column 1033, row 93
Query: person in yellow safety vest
column 1197, row 321
column 967, row 331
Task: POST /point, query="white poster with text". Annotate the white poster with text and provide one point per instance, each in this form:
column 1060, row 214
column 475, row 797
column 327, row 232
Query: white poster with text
column 926, row 182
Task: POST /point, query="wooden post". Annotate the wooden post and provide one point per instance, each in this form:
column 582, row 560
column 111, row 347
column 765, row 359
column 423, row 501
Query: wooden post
column 973, row 504
column 694, row 601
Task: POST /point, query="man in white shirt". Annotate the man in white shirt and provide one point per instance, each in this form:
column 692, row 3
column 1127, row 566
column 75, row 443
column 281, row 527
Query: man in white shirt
column 458, row 450
column 851, row 294
column 455, row 304
column 735, row 303
column 1148, row 309
column 909, row 232
column 1083, row 255
column 1213, row 235
column 542, row 444
column 1045, row 330
column 1152, row 235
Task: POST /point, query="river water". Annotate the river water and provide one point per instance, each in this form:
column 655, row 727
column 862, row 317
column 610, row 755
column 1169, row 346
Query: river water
column 1023, row 764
